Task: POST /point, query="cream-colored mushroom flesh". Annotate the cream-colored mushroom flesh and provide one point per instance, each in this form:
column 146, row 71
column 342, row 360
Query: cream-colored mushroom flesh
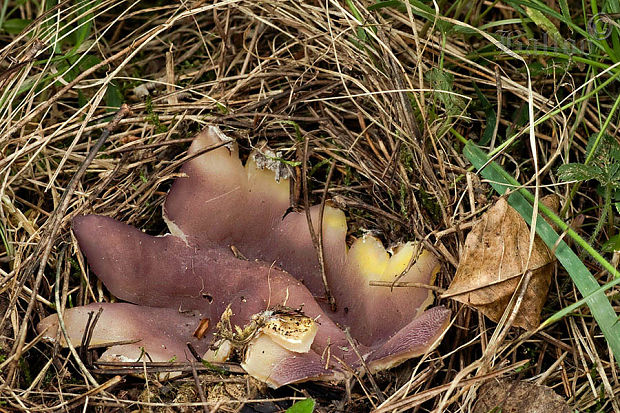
column 273, row 364
column 294, row 332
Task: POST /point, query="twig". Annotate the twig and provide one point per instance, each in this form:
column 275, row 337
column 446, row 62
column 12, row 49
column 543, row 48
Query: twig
column 371, row 378
column 321, row 252
column 199, row 388
column 113, row 343
column 85, row 334
column 88, row 332
column 154, row 366
column 406, row 284
column 315, row 239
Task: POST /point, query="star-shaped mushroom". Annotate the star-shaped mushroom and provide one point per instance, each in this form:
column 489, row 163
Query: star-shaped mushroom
column 177, row 281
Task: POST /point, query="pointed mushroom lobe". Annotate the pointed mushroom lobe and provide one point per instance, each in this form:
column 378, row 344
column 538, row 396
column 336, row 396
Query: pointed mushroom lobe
column 164, row 271
column 255, row 222
column 422, row 335
column 162, row 332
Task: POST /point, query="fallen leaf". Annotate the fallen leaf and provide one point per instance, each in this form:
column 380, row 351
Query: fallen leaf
column 513, row 396
column 493, row 262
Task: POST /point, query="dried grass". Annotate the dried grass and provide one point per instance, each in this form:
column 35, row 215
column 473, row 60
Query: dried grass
column 284, row 72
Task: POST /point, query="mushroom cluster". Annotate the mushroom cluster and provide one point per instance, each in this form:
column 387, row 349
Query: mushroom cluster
column 243, row 267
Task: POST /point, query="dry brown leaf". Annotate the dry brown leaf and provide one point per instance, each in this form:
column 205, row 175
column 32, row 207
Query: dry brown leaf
column 512, row 396
column 493, row 262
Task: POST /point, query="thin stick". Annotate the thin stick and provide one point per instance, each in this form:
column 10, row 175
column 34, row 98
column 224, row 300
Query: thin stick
column 321, row 253
column 85, row 334
column 407, row 284
column 129, row 367
column 199, row 388
column 88, row 333
column 315, row 239
column 371, row 378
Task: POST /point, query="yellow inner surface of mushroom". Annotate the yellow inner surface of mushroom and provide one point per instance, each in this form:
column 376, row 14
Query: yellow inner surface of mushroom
column 333, row 218
column 265, row 179
column 375, row 263
column 399, row 260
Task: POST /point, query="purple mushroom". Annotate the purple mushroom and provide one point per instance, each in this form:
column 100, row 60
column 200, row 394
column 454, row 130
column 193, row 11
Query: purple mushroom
column 177, row 281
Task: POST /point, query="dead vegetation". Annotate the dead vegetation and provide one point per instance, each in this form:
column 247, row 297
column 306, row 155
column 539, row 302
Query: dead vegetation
column 361, row 88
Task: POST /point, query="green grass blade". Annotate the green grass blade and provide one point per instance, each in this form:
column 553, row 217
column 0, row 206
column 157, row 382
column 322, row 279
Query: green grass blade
column 520, row 5
column 565, row 11
column 547, row 25
column 594, row 295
